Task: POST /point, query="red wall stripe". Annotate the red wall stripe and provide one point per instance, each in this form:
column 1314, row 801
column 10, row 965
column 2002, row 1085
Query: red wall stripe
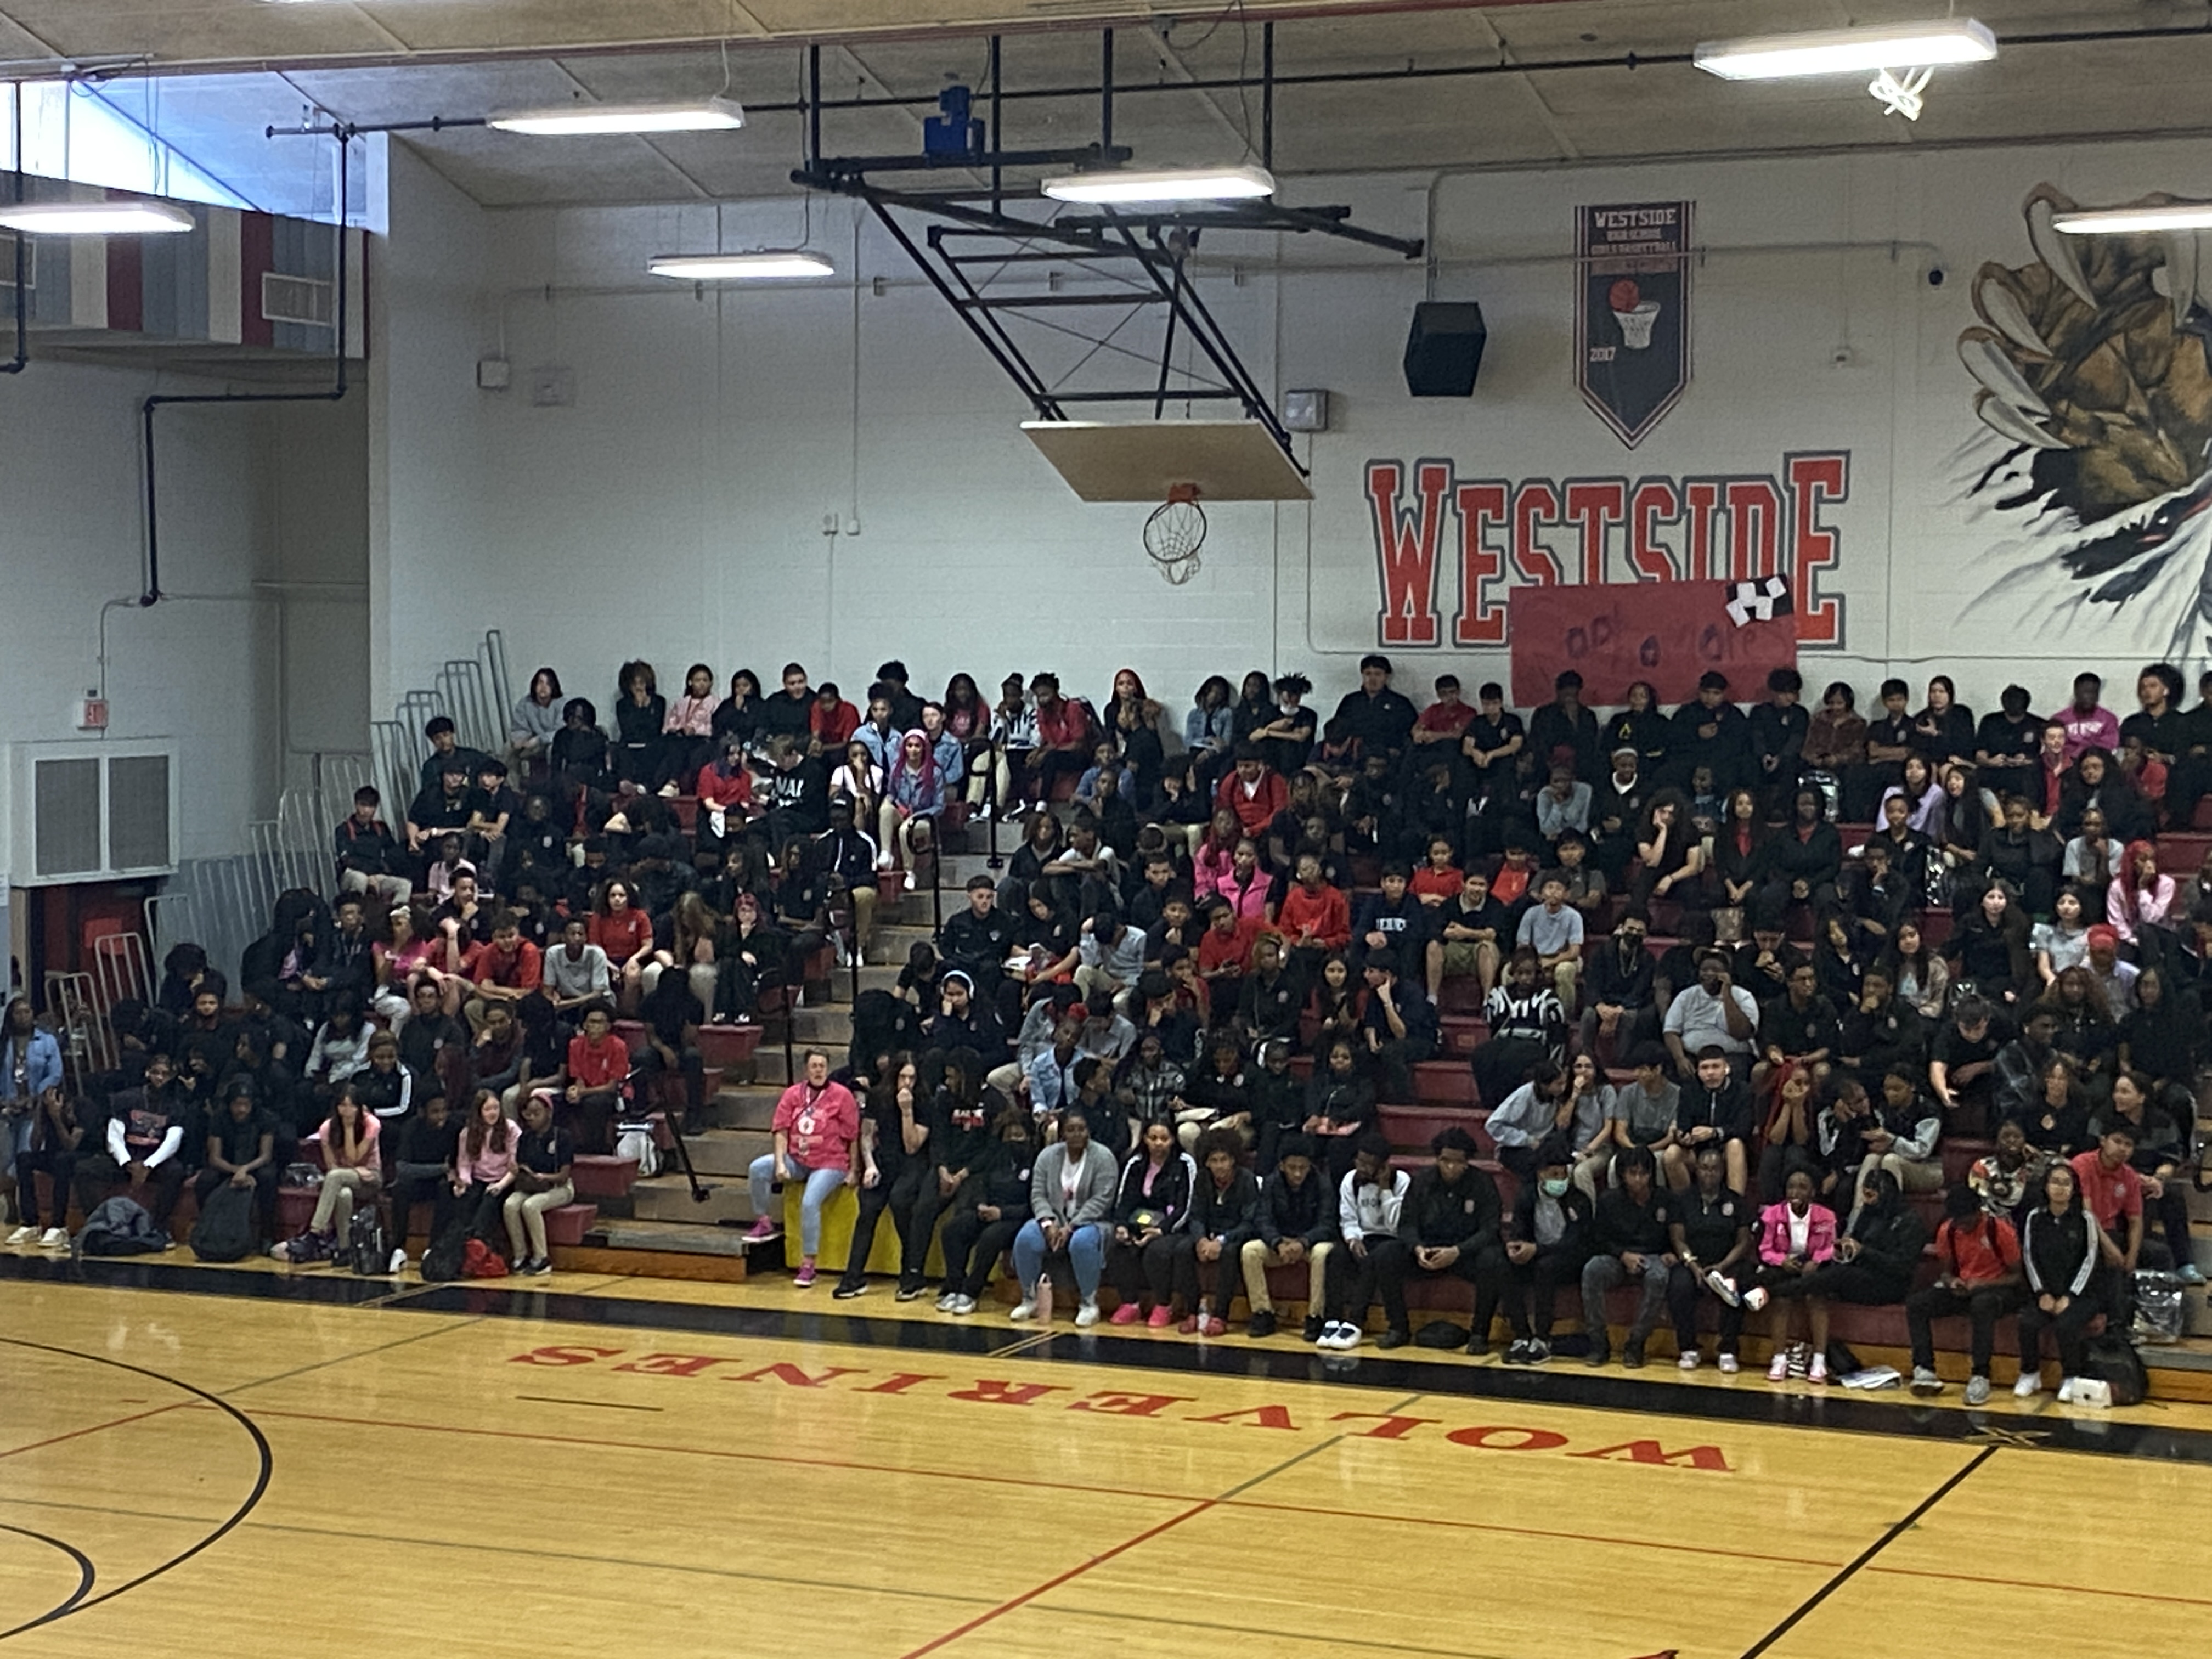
column 256, row 255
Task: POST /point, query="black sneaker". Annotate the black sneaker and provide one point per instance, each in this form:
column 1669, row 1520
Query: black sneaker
column 536, row 1267
column 1516, row 1353
column 1310, row 1331
column 1478, row 1346
column 1598, row 1355
column 1263, row 1324
column 1539, row 1350
column 849, row 1288
column 1633, row 1356
column 912, row 1292
column 1396, row 1337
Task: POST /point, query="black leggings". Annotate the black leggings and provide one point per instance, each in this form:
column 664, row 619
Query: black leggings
column 59, row 1165
column 2070, row 1331
column 896, row 1194
column 972, row 1247
column 1158, row 1270
column 1532, row 1290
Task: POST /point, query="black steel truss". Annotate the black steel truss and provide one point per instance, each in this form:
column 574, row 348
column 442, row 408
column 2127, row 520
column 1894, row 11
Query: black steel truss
column 962, row 239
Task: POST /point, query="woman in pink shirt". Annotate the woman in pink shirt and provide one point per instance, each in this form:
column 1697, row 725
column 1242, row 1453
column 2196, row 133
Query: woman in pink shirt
column 353, row 1169
column 689, row 729
column 2139, row 898
column 817, row 1123
column 483, row 1164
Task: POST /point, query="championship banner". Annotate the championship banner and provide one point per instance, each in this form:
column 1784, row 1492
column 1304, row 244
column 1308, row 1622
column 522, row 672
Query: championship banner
column 1632, row 313
column 1667, row 634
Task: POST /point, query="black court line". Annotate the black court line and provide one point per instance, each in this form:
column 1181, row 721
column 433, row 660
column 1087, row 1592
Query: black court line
column 1869, row 1553
column 1566, row 1384
column 85, row 1575
column 596, row 1404
column 253, row 1498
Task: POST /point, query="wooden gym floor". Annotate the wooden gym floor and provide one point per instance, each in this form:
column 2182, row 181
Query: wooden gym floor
column 256, row 1462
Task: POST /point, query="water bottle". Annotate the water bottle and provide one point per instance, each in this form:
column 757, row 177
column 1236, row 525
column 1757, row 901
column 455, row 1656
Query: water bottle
column 1044, row 1299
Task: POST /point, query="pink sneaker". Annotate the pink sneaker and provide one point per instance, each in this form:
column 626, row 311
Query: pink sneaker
column 1127, row 1314
column 1160, row 1317
column 1187, row 1325
column 1818, row 1370
column 763, row 1227
column 804, row 1277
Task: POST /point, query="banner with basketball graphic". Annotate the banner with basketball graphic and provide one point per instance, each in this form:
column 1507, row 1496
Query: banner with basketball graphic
column 1632, row 313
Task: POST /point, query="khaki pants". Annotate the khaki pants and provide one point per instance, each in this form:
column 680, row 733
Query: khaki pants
column 525, row 1213
column 342, row 1191
column 1256, row 1258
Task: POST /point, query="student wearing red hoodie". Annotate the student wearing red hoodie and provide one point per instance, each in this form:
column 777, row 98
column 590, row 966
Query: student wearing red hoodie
column 816, row 1129
column 1314, row 917
column 1253, row 791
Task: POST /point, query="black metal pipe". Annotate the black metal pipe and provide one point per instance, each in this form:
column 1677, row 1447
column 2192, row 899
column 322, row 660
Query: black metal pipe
column 1106, row 89
column 813, row 107
column 152, row 596
column 1267, row 95
column 997, row 181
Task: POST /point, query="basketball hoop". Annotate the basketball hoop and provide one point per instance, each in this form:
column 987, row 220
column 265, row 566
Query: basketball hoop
column 1174, row 532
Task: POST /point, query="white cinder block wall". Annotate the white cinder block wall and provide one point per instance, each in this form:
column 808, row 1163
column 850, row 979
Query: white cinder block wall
column 677, row 509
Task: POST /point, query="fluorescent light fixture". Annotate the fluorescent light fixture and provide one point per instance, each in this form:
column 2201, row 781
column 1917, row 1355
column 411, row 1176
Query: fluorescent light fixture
column 1847, row 51
column 115, row 218
column 702, row 115
column 784, row 263
column 1167, row 185
column 2121, row 222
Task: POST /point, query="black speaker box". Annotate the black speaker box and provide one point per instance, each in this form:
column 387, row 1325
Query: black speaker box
column 1443, row 351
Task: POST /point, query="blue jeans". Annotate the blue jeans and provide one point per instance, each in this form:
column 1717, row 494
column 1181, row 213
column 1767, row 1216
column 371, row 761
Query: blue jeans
column 820, row 1183
column 1086, row 1251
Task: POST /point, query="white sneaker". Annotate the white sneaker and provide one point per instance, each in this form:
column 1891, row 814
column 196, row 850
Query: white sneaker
column 883, row 861
column 1925, row 1380
column 1755, row 1297
column 22, row 1234
column 1730, row 1365
column 963, row 1305
column 945, row 1300
column 1717, row 1283
column 1978, row 1390
column 1347, row 1335
column 398, row 1262
column 2065, row 1390
column 1023, row 1311
column 1688, row 1362
column 909, row 881
column 2029, row 1386
column 670, row 791
column 1088, row 1313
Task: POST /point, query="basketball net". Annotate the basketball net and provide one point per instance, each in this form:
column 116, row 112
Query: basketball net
column 1174, row 532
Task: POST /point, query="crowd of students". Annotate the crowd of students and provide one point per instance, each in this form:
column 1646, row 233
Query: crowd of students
column 1184, row 1003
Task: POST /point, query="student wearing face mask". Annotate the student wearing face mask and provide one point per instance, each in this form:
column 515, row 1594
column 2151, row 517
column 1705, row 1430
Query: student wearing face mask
column 992, row 1203
column 1547, row 1243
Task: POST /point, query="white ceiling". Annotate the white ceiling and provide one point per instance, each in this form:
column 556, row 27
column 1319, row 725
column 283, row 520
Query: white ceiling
column 253, row 64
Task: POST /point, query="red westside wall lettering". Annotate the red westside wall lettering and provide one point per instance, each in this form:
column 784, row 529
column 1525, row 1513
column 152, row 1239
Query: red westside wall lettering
column 1512, row 532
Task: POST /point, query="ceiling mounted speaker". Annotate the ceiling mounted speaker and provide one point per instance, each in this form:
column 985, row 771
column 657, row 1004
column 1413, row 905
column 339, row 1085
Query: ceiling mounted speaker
column 1443, row 351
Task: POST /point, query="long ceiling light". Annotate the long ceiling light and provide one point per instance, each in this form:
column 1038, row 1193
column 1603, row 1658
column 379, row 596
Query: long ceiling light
column 2120, row 221
column 112, row 218
column 701, row 115
column 1846, row 51
column 785, row 263
column 1167, row 185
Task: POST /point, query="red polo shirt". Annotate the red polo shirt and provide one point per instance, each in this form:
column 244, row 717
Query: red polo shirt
column 2112, row 1195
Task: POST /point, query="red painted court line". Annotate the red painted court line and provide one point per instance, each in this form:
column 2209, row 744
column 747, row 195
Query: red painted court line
column 2061, row 1589
column 1051, row 1485
column 96, row 1428
column 1054, row 1583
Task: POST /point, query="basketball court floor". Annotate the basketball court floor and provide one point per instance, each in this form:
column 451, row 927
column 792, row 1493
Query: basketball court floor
column 259, row 1463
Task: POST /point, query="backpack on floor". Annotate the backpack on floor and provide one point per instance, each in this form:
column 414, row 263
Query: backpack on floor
column 442, row 1261
column 224, row 1232
column 2114, row 1361
column 2159, row 1313
column 480, row 1261
column 634, row 1141
column 365, row 1250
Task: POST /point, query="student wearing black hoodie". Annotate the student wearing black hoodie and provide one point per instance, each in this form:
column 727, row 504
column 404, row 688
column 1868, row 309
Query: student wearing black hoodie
column 1714, row 1109
column 1449, row 1224
column 992, row 1203
column 1551, row 1240
column 2059, row 1252
column 960, row 1120
column 1151, row 1209
column 1275, row 1097
column 894, row 1162
column 1224, row 1217
column 1297, row 1224
column 422, row 1171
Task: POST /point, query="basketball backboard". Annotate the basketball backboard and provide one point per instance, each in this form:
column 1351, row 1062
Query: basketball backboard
column 1143, row 460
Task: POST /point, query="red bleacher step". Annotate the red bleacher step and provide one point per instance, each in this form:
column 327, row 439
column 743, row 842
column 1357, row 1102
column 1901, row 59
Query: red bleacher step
column 568, row 1224
column 595, row 1175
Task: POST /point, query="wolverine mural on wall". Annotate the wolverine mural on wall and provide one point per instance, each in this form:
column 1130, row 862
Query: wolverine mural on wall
column 2091, row 368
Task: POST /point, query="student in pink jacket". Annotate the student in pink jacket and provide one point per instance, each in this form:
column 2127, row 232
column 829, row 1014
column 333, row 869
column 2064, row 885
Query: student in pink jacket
column 1796, row 1237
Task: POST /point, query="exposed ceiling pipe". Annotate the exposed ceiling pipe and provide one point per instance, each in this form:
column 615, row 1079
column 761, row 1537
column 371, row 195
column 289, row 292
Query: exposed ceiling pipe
column 21, row 359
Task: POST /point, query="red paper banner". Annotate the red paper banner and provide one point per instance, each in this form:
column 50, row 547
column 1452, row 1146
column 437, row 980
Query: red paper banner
column 1665, row 633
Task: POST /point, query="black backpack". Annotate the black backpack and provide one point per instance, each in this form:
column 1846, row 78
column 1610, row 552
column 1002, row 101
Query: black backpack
column 2114, row 1361
column 441, row 1262
column 224, row 1232
column 365, row 1250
